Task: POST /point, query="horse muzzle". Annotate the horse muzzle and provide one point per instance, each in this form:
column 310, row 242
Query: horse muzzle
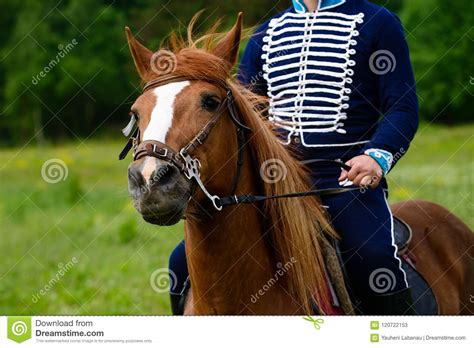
column 159, row 190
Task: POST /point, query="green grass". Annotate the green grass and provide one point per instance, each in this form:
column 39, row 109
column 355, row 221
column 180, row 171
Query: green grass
column 89, row 216
column 438, row 167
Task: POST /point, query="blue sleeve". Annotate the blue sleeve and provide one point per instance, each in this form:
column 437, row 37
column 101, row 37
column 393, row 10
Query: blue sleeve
column 398, row 102
column 250, row 72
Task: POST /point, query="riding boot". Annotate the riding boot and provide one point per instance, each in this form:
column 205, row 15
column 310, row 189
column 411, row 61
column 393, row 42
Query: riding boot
column 176, row 304
column 178, row 301
column 397, row 303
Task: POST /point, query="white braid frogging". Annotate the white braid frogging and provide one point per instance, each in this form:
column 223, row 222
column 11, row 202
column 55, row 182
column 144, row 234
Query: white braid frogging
column 307, row 86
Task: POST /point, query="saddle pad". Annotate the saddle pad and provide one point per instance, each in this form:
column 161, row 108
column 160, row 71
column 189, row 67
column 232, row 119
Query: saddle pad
column 402, row 234
column 424, row 301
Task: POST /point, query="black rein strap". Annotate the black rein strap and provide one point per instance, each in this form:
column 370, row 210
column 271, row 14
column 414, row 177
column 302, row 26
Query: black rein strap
column 230, row 200
column 234, row 199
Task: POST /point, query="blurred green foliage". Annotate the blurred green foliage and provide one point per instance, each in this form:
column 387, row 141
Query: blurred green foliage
column 441, row 34
column 47, row 94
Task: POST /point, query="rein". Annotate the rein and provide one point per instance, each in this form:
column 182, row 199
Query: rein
column 190, row 166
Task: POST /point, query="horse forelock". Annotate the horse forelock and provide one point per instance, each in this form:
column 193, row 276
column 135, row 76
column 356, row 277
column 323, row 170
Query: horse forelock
column 189, row 58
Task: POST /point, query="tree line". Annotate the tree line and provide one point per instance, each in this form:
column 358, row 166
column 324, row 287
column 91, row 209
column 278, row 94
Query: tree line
column 65, row 69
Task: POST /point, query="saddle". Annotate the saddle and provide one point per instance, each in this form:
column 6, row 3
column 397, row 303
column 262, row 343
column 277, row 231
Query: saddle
column 424, row 300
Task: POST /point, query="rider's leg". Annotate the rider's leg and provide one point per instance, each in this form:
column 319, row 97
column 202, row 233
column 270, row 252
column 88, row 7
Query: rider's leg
column 365, row 222
column 178, row 276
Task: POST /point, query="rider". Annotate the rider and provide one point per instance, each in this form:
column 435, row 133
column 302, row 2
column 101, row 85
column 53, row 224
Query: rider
column 331, row 69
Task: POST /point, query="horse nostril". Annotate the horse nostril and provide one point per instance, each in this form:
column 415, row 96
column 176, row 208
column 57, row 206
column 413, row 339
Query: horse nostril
column 162, row 175
column 135, row 178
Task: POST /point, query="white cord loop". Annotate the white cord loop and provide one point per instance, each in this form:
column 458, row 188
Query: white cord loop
column 307, row 66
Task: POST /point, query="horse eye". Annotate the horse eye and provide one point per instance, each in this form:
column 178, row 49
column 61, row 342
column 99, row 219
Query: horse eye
column 210, row 103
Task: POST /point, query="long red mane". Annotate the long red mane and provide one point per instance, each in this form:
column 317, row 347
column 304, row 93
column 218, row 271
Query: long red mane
column 297, row 224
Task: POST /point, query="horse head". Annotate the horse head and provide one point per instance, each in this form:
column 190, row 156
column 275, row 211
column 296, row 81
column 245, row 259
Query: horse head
column 184, row 90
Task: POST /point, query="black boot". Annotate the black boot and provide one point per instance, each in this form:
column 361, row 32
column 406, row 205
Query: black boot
column 397, row 303
column 178, row 301
column 176, row 304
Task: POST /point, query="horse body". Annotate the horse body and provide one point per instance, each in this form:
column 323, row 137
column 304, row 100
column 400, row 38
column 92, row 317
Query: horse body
column 444, row 252
column 227, row 269
column 238, row 257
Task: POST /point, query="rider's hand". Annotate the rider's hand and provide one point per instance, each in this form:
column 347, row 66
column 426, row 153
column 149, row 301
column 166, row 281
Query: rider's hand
column 365, row 172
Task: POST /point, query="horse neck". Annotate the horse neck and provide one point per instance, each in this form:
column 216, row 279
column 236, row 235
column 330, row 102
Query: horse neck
column 228, row 257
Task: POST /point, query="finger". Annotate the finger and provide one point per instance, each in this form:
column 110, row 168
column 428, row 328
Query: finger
column 343, row 175
column 344, row 172
column 358, row 179
column 375, row 182
column 354, row 172
column 367, row 181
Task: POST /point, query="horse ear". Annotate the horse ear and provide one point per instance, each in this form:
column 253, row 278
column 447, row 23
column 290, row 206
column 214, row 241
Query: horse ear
column 228, row 47
column 140, row 54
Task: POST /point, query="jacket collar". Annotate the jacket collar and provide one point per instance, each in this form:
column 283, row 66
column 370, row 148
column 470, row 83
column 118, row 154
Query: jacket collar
column 299, row 6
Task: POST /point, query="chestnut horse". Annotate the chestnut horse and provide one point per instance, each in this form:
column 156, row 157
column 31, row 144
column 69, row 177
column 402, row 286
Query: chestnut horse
column 262, row 258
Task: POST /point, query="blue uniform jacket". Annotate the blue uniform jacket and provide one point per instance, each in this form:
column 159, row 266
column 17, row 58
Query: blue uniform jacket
column 339, row 80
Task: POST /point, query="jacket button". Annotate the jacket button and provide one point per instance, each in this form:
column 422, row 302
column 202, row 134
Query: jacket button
column 296, row 140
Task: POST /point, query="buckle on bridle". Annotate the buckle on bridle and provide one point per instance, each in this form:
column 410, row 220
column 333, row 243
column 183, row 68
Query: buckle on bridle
column 164, row 149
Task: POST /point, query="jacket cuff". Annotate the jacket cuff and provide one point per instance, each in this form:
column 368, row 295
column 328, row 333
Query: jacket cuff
column 382, row 157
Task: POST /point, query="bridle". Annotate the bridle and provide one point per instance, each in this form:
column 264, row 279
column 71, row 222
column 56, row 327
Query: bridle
column 190, row 166
column 182, row 159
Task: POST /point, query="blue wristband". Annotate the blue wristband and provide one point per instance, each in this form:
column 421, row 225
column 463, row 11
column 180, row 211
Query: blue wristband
column 299, row 6
column 382, row 157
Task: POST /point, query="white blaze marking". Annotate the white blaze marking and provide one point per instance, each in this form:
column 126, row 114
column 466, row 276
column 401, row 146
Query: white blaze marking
column 161, row 120
column 149, row 165
column 162, row 115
